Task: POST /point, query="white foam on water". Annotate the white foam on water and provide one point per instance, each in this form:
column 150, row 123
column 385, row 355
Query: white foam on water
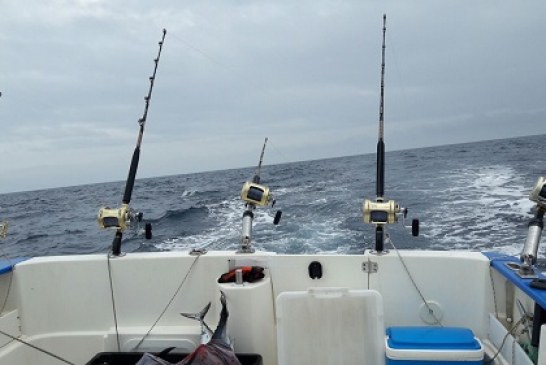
column 481, row 208
column 226, row 235
column 187, row 193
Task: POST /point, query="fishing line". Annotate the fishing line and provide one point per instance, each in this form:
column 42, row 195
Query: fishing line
column 114, row 312
column 240, row 74
column 169, row 303
column 13, row 338
column 197, row 50
column 283, row 156
column 36, row 348
column 392, row 49
column 10, row 263
column 430, row 310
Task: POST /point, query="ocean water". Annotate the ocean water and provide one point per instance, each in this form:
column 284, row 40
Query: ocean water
column 467, row 196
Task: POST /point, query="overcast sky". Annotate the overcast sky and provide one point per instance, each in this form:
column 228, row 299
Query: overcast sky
column 304, row 73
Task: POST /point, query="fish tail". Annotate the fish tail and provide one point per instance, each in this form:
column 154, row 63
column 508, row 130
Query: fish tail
column 199, row 316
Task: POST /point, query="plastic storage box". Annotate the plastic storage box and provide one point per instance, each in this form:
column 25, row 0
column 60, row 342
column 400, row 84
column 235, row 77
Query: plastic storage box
column 433, row 346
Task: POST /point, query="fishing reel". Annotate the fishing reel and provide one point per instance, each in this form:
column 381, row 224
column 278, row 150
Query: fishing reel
column 382, row 213
column 122, row 218
column 253, row 193
column 3, row 229
column 119, row 218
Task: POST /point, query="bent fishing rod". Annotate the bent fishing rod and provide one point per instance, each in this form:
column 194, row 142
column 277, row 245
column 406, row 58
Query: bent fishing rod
column 119, row 218
column 383, row 212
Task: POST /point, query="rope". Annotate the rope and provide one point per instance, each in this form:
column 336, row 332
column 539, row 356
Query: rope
column 168, row 304
column 504, row 342
column 430, row 310
column 494, row 292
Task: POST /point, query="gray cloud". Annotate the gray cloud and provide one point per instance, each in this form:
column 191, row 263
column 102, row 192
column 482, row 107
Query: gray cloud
column 305, row 74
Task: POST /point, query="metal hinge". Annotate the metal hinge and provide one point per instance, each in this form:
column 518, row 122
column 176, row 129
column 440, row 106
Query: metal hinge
column 370, row 267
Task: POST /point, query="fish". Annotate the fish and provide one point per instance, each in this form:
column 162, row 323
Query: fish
column 217, row 351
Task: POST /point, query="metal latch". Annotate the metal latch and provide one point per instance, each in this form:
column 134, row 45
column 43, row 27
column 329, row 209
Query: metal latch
column 198, row 252
column 370, row 267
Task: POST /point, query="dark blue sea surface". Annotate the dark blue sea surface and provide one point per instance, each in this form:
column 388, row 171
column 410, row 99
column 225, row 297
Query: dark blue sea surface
column 470, row 196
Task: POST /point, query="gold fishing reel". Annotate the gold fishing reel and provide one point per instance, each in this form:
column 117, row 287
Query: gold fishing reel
column 380, row 213
column 122, row 218
column 3, row 229
column 256, row 194
column 119, row 218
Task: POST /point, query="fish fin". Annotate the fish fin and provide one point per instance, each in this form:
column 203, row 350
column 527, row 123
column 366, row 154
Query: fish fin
column 199, row 316
column 165, row 352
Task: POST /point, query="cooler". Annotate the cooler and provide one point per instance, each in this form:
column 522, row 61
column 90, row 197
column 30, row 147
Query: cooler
column 433, row 346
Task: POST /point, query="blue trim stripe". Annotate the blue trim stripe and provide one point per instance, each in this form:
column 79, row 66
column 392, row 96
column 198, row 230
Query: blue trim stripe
column 499, row 262
column 7, row 265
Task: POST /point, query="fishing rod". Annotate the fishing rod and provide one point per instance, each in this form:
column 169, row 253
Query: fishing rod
column 256, row 178
column 121, row 217
column 254, row 194
column 382, row 212
column 380, row 182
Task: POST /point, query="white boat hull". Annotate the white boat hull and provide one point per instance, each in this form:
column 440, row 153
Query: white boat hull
column 64, row 304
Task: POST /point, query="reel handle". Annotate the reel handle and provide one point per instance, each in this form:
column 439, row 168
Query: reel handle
column 277, row 218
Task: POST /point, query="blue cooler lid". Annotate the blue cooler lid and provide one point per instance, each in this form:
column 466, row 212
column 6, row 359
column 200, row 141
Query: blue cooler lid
column 432, row 338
